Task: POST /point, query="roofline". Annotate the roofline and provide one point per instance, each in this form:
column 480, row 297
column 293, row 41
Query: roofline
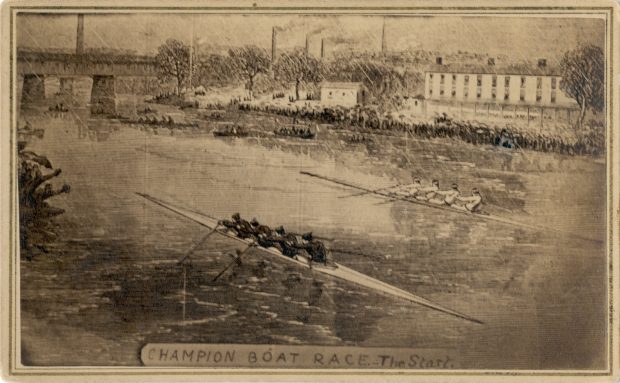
column 496, row 73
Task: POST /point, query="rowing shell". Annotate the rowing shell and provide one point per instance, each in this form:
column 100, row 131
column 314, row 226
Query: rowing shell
column 489, row 217
column 337, row 271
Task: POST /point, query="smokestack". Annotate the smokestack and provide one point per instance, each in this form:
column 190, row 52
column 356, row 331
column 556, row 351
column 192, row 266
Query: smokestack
column 79, row 45
column 383, row 44
column 307, row 46
column 322, row 49
column 542, row 63
column 273, row 44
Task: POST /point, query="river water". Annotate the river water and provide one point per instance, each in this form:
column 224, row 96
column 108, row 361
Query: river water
column 113, row 283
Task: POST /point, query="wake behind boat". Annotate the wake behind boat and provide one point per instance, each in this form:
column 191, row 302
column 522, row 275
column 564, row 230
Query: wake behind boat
column 334, row 270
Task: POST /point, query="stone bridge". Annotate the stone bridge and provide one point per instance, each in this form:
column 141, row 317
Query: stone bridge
column 103, row 68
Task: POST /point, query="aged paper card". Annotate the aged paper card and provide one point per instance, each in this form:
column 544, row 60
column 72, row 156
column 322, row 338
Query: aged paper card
column 319, row 190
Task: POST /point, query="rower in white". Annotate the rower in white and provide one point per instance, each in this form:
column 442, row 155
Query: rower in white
column 471, row 203
column 427, row 193
column 409, row 191
column 446, row 197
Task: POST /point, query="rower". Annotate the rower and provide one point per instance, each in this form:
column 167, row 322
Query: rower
column 411, row 190
column 446, row 197
column 285, row 242
column 316, row 249
column 238, row 226
column 427, row 193
column 471, row 203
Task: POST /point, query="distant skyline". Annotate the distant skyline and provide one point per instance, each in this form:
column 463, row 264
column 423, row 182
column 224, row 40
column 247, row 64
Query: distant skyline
column 520, row 38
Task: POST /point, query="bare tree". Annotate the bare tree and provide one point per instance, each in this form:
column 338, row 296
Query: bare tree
column 583, row 78
column 173, row 61
column 249, row 61
column 299, row 68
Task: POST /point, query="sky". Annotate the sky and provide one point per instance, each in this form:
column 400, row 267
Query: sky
column 522, row 38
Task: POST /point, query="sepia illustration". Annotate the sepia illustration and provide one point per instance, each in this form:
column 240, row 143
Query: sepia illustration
column 315, row 190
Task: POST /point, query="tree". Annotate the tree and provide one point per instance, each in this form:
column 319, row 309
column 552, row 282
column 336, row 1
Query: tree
column 215, row 69
column 299, row 68
column 583, row 78
column 249, row 61
column 173, row 61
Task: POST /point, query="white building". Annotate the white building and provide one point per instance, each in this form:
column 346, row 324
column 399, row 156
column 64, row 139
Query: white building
column 490, row 91
column 343, row 93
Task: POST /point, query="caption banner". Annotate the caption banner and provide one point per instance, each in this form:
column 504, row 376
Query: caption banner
column 283, row 356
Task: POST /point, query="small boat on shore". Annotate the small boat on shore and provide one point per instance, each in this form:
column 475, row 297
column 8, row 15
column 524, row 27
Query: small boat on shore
column 304, row 134
column 334, row 270
column 231, row 131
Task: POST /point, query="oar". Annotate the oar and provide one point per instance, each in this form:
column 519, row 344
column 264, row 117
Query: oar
column 372, row 191
column 198, row 244
column 236, row 260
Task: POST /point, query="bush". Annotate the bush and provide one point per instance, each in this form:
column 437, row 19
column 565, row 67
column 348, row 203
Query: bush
column 35, row 214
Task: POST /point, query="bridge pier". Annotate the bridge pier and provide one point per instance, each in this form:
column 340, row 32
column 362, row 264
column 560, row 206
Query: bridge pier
column 33, row 89
column 66, row 86
column 103, row 95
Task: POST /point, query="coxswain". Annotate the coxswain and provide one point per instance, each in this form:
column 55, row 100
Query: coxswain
column 471, row 203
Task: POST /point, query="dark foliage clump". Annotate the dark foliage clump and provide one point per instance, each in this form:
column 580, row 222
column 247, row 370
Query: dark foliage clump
column 35, row 215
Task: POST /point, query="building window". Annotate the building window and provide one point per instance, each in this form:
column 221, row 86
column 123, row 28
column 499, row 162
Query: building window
column 553, row 96
column 479, row 80
column 538, row 82
column 330, row 92
column 343, row 93
column 442, row 78
column 441, row 92
column 430, row 76
column 466, row 86
column 553, row 83
column 538, row 89
column 522, row 95
column 494, row 81
column 522, row 81
column 506, row 95
column 453, row 77
column 453, row 92
column 430, row 91
column 507, row 82
column 478, row 93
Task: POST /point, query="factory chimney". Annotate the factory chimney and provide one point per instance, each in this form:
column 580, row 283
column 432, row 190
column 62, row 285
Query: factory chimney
column 274, row 34
column 322, row 49
column 79, row 44
column 383, row 43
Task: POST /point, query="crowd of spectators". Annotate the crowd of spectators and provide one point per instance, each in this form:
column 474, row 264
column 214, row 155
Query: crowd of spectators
column 587, row 140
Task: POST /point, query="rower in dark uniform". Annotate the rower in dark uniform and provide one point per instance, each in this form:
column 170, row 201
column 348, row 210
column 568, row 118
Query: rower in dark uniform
column 287, row 243
column 238, row 226
column 316, row 249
